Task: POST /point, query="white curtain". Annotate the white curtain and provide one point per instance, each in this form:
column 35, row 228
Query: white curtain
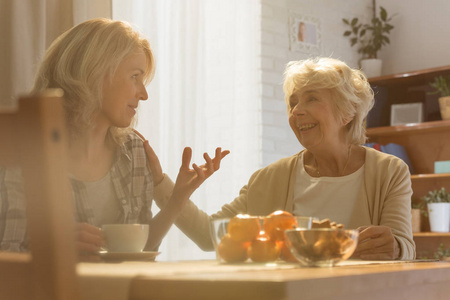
column 27, row 28
column 205, row 94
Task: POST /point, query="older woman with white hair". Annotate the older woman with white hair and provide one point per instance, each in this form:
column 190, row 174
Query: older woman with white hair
column 334, row 177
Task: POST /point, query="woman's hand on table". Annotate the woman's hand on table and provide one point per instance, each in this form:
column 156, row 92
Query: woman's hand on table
column 89, row 240
column 376, row 243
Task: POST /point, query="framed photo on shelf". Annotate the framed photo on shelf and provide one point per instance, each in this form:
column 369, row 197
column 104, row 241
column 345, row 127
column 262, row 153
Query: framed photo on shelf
column 304, row 33
column 406, row 113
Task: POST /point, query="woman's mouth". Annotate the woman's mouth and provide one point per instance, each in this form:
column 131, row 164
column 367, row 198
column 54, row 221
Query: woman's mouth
column 305, row 127
column 132, row 109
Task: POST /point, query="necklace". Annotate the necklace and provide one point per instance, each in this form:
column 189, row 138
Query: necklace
column 345, row 166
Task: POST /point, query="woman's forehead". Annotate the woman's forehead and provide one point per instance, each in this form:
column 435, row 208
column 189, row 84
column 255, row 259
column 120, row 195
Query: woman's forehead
column 306, row 91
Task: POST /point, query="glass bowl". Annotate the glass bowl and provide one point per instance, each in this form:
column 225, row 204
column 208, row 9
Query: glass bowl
column 321, row 247
column 232, row 242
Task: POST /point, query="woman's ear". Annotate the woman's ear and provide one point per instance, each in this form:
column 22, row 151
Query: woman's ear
column 346, row 121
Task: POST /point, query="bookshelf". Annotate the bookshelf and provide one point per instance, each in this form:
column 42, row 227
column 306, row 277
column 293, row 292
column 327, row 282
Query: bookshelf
column 424, row 142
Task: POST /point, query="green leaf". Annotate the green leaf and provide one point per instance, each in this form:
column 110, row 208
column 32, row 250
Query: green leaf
column 354, row 21
column 347, row 33
column 383, row 13
column 346, row 21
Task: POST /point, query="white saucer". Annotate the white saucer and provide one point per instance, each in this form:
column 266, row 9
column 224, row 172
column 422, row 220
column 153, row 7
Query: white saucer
column 130, row 256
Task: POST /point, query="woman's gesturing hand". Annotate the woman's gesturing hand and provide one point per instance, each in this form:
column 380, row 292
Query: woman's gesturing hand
column 376, row 243
column 188, row 180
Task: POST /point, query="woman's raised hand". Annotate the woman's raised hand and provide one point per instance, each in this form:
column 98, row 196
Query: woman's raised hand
column 188, row 180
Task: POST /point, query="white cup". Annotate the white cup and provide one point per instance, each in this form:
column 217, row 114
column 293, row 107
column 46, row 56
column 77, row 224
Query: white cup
column 125, row 237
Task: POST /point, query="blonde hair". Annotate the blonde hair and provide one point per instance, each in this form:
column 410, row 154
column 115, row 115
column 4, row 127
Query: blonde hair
column 78, row 61
column 352, row 92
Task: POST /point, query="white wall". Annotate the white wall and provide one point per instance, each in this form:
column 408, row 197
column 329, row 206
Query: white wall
column 421, row 37
column 277, row 138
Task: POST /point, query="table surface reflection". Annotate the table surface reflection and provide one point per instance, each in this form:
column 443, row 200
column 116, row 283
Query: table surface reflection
column 210, row 280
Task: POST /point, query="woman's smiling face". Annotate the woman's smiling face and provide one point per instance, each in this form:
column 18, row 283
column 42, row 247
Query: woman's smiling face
column 313, row 118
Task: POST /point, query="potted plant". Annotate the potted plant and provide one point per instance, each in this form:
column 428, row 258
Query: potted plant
column 370, row 38
column 438, row 202
column 417, row 209
column 441, row 85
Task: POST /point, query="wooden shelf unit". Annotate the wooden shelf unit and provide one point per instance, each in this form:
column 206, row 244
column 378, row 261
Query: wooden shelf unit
column 428, row 242
column 402, row 88
column 424, row 143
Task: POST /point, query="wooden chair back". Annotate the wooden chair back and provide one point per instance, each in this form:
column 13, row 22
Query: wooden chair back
column 33, row 137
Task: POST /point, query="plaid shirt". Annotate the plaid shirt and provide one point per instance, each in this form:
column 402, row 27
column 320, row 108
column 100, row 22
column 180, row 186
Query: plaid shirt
column 131, row 178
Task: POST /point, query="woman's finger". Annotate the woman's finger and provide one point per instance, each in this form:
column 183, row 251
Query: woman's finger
column 199, row 171
column 370, row 232
column 153, row 160
column 89, row 228
column 139, row 134
column 87, row 247
column 374, row 246
column 209, row 164
column 153, row 163
column 218, row 157
column 186, row 159
column 89, row 234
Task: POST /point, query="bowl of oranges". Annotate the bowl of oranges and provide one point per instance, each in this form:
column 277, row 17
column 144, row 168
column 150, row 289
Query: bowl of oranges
column 257, row 239
column 321, row 247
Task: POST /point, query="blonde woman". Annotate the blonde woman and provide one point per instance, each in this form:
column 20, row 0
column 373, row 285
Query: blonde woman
column 103, row 67
column 334, row 177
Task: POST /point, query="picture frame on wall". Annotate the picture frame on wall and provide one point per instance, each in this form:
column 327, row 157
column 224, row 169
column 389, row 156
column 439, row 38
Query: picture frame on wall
column 304, row 33
column 407, row 113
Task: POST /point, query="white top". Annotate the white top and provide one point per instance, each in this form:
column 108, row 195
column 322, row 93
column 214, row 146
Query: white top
column 106, row 208
column 334, row 198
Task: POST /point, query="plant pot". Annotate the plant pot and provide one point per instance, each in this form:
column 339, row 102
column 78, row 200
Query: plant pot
column 439, row 215
column 415, row 219
column 371, row 67
column 444, row 105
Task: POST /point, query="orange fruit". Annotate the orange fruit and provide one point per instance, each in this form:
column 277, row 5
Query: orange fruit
column 244, row 228
column 277, row 222
column 263, row 249
column 232, row 251
column 286, row 254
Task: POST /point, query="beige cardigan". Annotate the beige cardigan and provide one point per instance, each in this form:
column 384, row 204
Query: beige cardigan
column 387, row 192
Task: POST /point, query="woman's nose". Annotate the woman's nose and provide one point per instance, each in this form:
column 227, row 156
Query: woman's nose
column 297, row 109
column 142, row 93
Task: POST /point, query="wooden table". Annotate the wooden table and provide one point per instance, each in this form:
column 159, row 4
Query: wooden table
column 209, row 280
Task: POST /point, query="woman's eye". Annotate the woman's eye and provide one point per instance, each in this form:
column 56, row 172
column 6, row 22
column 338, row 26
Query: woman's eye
column 312, row 99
